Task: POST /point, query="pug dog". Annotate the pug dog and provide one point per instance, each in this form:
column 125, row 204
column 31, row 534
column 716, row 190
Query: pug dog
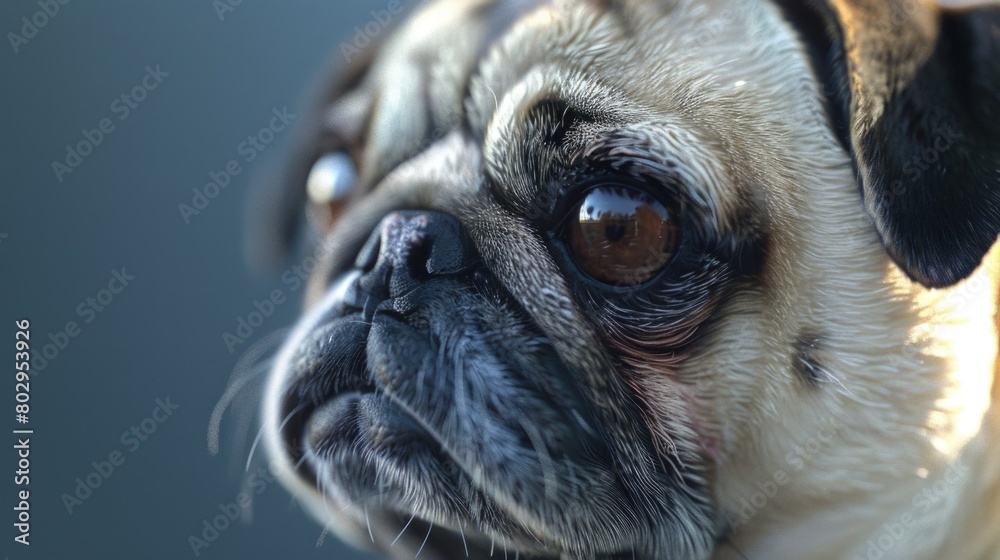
column 650, row 279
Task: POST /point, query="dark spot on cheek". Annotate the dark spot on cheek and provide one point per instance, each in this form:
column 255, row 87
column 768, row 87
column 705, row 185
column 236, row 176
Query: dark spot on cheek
column 805, row 359
column 752, row 254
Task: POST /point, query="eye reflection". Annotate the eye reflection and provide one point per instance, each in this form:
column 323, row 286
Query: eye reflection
column 332, row 178
column 331, row 181
column 622, row 236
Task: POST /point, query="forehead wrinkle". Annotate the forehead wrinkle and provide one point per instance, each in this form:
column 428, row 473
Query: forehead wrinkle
column 573, row 32
column 505, row 137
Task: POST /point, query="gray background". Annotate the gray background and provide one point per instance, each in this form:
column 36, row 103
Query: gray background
column 162, row 336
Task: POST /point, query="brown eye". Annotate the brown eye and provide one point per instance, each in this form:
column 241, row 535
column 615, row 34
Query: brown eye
column 622, row 236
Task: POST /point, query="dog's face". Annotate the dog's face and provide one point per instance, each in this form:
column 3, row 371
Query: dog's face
column 604, row 265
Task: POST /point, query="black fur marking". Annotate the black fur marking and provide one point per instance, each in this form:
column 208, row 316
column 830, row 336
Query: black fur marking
column 935, row 156
column 805, row 361
column 923, row 131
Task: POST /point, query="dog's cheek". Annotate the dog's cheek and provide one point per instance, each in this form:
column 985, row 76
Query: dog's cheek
column 680, row 428
column 670, row 400
column 702, row 400
column 652, row 337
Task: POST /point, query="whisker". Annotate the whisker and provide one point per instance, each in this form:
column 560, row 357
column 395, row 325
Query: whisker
column 253, row 448
column 357, row 501
column 244, row 417
column 369, row 524
column 404, row 529
column 528, row 531
column 246, row 371
column 496, row 101
column 427, row 536
column 260, row 433
column 461, row 530
column 225, row 401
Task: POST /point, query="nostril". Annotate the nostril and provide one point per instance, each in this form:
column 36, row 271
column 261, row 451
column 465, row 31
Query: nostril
column 417, row 258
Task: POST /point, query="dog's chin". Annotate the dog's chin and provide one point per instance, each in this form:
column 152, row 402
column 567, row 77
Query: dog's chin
column 398, row 485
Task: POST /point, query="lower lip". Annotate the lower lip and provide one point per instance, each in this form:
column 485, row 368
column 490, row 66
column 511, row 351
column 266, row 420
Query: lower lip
column 332, row 417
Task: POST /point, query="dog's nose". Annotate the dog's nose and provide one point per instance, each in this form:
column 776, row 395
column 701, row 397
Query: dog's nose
column 409, row 247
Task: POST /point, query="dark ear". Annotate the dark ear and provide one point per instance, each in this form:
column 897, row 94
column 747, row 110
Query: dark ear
column 915, row 92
